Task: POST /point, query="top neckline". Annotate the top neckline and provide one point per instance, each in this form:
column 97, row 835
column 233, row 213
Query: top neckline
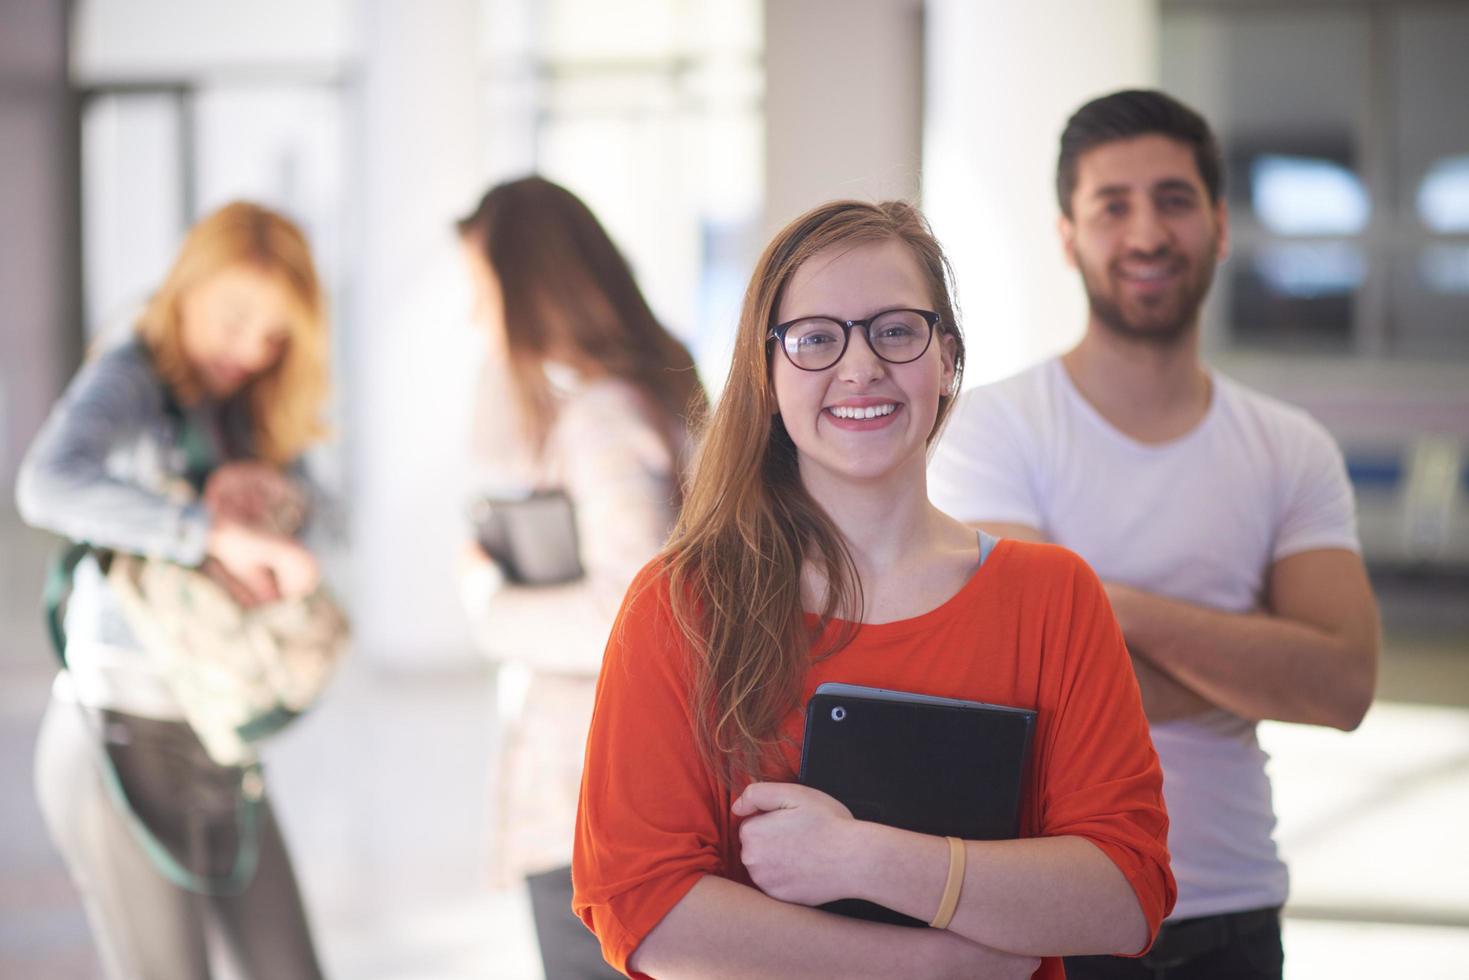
column 927, row 620
column 1099, row 421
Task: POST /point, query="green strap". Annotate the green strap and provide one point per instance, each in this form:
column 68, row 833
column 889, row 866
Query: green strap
column 59, row 577
column 200, row 458
column 247, row 852
column 266, row 723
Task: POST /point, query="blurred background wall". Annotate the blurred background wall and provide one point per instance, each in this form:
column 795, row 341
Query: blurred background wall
column 694, row 128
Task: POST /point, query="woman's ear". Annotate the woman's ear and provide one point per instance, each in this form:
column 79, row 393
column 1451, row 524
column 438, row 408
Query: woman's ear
column 948, row 350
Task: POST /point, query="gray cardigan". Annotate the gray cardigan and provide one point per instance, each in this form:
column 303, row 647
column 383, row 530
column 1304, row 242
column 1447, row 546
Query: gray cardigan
column 99, row 471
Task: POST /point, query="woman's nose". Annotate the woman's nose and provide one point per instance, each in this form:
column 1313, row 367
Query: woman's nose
column 859, row 363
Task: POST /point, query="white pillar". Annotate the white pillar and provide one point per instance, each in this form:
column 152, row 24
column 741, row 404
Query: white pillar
column 843, row 102
column 409, row 356
column 1002, row 78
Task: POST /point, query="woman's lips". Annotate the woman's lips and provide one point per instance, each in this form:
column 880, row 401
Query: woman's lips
column 861, row 418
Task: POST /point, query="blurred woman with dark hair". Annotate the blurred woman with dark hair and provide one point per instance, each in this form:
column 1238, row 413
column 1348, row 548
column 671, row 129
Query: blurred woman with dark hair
column 599, row 405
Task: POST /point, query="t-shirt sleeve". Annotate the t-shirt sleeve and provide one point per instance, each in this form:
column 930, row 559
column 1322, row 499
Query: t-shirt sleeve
column 982, row 469
column 1319, row 510
column 652, row 815
column 1100, row 778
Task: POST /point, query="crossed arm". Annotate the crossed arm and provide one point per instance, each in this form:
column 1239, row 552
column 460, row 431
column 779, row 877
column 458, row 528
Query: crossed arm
column 722, row 930
column 1020, row 899
column 1310, row 656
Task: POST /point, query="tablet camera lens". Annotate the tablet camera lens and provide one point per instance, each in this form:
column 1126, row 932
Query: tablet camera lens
column 838, row 713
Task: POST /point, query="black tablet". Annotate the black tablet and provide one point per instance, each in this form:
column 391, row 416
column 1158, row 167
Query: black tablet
column 933, row 765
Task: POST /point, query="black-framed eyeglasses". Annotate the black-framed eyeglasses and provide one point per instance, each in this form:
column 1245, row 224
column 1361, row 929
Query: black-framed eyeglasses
column 815, row 343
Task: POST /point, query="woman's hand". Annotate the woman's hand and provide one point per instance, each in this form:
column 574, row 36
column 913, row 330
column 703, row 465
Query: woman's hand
column 480, row 578
column 261, row 566
column 796, row 842
column 257, row 494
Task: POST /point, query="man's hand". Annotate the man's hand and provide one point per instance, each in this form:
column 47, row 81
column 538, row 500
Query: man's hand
column 1164, row 699
column 1309, row 656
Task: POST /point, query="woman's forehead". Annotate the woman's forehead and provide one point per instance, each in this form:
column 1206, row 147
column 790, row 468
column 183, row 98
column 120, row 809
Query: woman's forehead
column 852, row 281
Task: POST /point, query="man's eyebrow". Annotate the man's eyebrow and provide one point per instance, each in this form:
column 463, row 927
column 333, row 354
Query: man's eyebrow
column 1175, row 184
column 1166, row 185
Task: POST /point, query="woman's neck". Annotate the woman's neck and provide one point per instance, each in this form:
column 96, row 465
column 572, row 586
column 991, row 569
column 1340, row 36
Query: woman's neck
column 882, row 521
column 909, row 556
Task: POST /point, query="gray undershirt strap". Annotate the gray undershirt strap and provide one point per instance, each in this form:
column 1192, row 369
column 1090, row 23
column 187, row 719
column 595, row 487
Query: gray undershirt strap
column 987, row 544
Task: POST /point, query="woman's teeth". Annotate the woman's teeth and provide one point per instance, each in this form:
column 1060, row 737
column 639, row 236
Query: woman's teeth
column 869, row 412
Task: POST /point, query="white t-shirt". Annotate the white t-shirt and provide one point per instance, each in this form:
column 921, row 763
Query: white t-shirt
column 1201, row 519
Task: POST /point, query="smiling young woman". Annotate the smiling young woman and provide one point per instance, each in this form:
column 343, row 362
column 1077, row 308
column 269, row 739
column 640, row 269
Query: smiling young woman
column 807, row 551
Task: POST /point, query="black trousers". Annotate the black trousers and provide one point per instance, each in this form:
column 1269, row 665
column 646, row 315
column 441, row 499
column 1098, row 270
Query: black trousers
column 569, row 951
column 146, row 927
column 1232, row 946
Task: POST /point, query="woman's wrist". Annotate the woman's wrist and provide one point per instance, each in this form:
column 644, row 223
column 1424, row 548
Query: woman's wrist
column 902, row 870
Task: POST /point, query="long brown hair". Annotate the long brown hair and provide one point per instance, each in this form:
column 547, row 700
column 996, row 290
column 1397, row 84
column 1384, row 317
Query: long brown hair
column 285, row 400
column 748, row 526
column 569, row 296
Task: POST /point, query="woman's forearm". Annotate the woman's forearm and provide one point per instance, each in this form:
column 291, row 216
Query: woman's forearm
column 722, row 929
column 65, row 484
column 85, row 504
column 1045, row 896
column 561, row 628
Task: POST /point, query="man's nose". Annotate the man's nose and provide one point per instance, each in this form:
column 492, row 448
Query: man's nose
column 1146, row 231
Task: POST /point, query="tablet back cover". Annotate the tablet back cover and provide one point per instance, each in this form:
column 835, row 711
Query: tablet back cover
column 931, row 765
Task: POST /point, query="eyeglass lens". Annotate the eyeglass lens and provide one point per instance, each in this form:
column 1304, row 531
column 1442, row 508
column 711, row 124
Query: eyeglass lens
column 896, row 336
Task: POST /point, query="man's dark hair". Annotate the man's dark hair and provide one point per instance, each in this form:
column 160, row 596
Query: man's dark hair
column 1136, row 112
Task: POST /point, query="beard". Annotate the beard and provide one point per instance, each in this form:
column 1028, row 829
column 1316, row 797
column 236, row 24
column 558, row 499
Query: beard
column 1164, row 319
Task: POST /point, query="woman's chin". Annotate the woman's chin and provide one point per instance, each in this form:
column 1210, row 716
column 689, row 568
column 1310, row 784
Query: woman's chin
column 221, row 386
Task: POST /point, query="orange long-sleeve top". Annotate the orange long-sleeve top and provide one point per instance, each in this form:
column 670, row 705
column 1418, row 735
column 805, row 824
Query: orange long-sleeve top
column 1032, row 628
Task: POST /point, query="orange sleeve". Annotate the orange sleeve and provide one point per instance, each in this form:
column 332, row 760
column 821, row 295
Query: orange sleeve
column 1100, row 776
column 652, row 816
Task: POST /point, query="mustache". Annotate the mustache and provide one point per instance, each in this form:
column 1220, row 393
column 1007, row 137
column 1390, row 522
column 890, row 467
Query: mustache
column 1158, row 254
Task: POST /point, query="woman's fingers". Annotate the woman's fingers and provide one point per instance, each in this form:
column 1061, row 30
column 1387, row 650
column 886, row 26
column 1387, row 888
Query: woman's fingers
column 269, row 566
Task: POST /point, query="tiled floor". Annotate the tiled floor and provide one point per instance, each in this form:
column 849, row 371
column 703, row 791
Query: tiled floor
column 384, row 793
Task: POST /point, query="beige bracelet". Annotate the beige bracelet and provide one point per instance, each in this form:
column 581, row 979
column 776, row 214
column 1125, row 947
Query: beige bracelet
column 953, row 886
